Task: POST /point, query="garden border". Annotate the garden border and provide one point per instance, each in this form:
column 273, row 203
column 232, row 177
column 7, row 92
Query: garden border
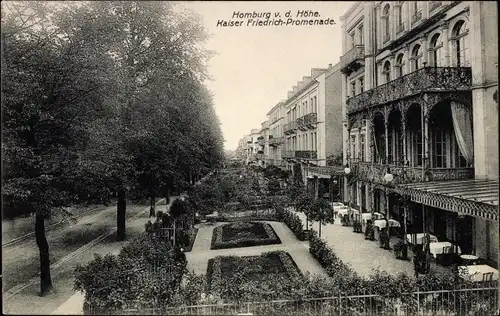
column 271, row 239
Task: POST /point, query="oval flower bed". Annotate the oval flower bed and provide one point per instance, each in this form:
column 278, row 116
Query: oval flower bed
column 243, row 234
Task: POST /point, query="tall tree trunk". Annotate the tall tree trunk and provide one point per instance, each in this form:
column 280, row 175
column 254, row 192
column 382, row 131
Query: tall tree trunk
column 121, row 207
column 307, row 222
column 43, row 247
column 152, row 207
column 319, row 228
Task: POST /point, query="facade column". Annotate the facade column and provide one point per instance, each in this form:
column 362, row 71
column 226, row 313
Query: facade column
column 386, row 131
column 393, row 68
column 425, row 133
column 425, row 49
column 424, row 7
column 407, row 15
column 403, row 132
column 368, row 137
column 446, row 45
column 407, row 61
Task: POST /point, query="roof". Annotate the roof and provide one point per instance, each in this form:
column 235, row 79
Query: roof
column 474, row 197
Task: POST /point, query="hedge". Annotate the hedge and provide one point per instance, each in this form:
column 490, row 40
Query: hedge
column 146, row 270
column 292, row 220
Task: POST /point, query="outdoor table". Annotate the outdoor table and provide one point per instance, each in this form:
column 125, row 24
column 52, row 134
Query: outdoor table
column 364, row 218
column 378, row 215
column 381, row 223
column 468, row 259
column 476, row 272
column 436, row 248
column 420, row 237
column 343, row 211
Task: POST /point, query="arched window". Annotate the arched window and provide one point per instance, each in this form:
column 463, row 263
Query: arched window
column 436, row 51
column 416, row 56
column 460, row 44
column 387, row 71
column 387, row 28
column 399, row 65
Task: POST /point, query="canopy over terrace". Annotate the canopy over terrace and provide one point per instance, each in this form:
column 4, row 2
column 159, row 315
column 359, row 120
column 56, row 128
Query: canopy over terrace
column 477, row 198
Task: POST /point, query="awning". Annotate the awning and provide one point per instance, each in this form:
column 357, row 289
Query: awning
column 472, row 197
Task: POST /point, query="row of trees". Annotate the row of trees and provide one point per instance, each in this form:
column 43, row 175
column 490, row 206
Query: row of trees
column 101, row 101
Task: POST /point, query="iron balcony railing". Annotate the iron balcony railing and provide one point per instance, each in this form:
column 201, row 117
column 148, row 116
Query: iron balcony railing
column 327, row 170
column 438, row 79
column 375, row 172
column 306, row 154
column 288, row 154
column 354, row 54
column 261, row 141
column 307, row 121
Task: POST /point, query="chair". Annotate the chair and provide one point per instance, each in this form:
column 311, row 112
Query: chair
column 448, row 256
column 488, row 277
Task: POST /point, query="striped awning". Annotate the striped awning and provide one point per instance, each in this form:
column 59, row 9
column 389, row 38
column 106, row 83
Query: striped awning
column 471, row 197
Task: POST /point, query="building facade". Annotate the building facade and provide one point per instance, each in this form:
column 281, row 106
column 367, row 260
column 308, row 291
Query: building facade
column 263, row 143
column 275, row 144
column 253, row 147
column 419, row 117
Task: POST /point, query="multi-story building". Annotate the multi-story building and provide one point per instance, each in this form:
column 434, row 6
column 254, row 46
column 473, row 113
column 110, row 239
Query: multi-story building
column 241, row 150
column 313, row 130
column 275, row 119
column 253, row 147
column 263, row 142
column 420, row 119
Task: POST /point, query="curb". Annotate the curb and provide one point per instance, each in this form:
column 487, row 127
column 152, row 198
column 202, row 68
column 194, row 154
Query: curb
column 18, row 288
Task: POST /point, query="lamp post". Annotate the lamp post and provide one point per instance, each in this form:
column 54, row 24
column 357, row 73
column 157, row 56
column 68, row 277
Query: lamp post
column 347, row 171
column 388, row 178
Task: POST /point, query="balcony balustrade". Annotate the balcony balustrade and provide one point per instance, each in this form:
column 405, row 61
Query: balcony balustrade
column 275, row 141
column 375, row 173
column 416, row 17
column 400, row 28
column 291, row 127
column 352, row 59
column 261, row 141
column 428, row 79
column 306, row 154
column 300, row 124
column 327, row 170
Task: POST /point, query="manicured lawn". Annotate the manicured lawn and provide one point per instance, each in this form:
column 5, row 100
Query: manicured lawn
column 243, row 234
column 270, row 267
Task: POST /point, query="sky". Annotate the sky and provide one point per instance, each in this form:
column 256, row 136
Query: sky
column 255, row 66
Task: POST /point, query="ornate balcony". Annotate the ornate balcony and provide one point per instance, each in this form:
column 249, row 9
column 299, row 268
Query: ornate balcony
column 275, row 141
column 300, row 124
column 261, row 141
column 400, row 28
column 353, row 59
column 290, row 128
column 417, row 16
column 327, row 170
column 374, row 173
column 429, row 79
column 433, row 5
column 306, row 154
column 311, row 119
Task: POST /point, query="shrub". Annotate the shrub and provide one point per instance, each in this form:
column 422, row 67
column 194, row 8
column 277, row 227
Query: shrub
column 292, row 221
column 146, row 270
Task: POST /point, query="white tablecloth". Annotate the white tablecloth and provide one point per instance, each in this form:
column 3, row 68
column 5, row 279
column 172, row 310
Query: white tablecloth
column 336, row 204
column 420, row 237
column 476, row 272
column 343, row 211
column 436, row 248
column 378, row 215
column 381, row 223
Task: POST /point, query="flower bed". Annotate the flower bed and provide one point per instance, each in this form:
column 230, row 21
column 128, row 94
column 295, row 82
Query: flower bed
column 243, row 234
column 247, row 277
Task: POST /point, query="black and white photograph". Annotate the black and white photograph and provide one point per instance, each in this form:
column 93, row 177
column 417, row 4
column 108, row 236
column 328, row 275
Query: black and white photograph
column 250, row 158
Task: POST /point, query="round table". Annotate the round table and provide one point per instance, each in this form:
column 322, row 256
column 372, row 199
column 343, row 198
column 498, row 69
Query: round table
column 468, row 259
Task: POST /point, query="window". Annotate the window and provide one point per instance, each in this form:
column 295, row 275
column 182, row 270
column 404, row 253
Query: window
column 439, row 150
column 355, row 193
column 387, row 28
column 390, row 154
column 353, row 88
column 417, row 141
column 313, row 145
column 362, row 147
column 436, row 55
column 353, row 147
column 315, row 105
column 353, row 39
column 399, row 66
column 363, row 197
column 311, row 106
column 361, row 85
column 416, row 56
column 315, row 140
column 460, row 44
column 399, row 13
column 360, row 36
column 387, row 71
